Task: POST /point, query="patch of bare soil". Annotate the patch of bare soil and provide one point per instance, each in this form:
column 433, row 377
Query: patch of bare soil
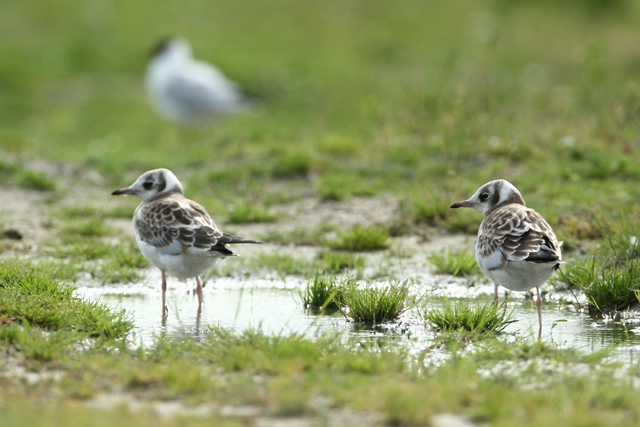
column 25, row 212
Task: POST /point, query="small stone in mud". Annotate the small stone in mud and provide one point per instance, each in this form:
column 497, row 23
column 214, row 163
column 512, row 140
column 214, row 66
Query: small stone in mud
column 11, row 234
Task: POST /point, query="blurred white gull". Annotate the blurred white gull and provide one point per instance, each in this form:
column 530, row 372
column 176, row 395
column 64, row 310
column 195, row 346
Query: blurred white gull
column 186, row 90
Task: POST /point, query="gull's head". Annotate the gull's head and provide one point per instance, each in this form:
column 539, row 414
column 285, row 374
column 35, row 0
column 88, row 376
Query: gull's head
column 172, row 48
column 491, row 195
column 152, row 183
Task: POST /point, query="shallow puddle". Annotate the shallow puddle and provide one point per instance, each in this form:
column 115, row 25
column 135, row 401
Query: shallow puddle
column 275, row 307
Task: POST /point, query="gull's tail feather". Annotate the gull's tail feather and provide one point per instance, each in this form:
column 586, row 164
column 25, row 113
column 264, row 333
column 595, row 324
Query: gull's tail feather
column 228, row 238
column 222, row 248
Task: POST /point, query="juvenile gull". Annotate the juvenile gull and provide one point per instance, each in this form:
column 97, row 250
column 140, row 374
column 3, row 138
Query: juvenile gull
column 516, row 247
column 186, row 90
column 175, row 234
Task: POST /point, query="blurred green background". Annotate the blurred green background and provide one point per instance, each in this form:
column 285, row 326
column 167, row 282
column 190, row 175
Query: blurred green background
column 426, row 100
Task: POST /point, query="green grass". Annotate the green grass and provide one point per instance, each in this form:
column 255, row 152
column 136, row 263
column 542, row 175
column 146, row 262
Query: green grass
column 429, row 208
column 80, row 212
column 374, row 303
column 609, row 276
column 31, row 180
column 340, row 186
column 459, row 264
column 394, row 117
column 122, row 212
column 608, row 289
column 361, row 239
column 30, row 296
column 45, row 322
column 106, row 262
column 422, row 101
column 619, row 238
column 391, row 125
column 463, row 222
column 22, row 412
column 322, row 293
column 292, row 163
column 122, row 265
column 337, row 262
column 460, row 317
column 35, row 344
column 249, row 213
column 14, row 173
column 86, row 245
column 91, row 227
column 285, row 375
column 286, row 264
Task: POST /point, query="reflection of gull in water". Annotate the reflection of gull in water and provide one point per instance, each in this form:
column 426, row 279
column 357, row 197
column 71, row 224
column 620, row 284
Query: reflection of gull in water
column 186, row 90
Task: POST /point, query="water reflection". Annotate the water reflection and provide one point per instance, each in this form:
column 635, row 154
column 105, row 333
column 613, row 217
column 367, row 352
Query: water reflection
column 275, row 308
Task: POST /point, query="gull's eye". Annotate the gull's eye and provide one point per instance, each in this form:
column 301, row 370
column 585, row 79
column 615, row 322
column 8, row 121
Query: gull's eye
column 148, row 185
column 484, row 197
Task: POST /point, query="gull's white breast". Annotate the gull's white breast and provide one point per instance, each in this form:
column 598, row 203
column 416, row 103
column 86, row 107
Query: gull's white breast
column 191, row 263
column 518, row 275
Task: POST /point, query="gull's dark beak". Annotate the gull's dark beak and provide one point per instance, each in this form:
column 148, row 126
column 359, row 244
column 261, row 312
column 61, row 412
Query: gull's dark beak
column 462, row 204
column 123, row 191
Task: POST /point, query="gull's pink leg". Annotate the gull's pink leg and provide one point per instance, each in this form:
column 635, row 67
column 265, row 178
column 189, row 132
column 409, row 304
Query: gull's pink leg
column 164, row 291
column 539, row 306
column 495, row 293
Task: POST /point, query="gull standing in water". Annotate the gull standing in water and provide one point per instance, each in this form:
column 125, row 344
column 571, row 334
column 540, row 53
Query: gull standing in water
column 175, row 234
column 516, row 246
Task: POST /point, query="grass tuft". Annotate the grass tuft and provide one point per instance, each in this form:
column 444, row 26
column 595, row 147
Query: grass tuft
column 29, row 295
column 292, row 164
column 460, row 317
column 459, row 264
column 323, row 293
column 608, row 288
column 31, row 180
column 374, row 303
column 361, row 239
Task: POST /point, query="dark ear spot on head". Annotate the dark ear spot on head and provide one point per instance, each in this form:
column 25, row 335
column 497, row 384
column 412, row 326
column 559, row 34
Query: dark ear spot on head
column 495, row 197
column 496, row 188
column 162, row 183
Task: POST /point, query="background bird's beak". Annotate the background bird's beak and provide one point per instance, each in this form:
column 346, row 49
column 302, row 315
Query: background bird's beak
column 462, row 204
column 125, row 191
